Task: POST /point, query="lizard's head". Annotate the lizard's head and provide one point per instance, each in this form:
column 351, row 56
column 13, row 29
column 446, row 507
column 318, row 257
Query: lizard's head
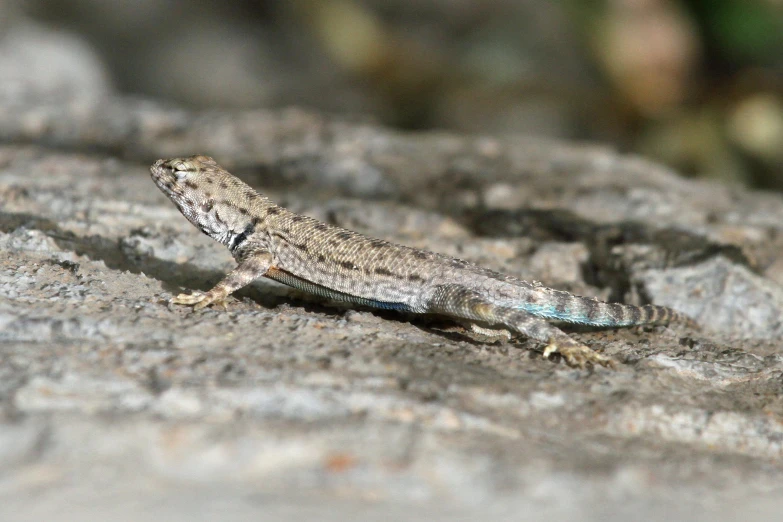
column 212, row 199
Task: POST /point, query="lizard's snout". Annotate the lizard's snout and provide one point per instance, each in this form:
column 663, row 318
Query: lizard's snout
column 163, row 176
column 161, row 169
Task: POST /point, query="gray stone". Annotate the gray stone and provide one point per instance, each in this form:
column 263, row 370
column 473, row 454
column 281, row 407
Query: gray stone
column 114, row 403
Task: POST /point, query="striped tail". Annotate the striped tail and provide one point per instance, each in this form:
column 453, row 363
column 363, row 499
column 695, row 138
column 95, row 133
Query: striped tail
column 586, row 310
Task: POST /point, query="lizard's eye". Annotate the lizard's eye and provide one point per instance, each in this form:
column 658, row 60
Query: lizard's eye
column 180, row 168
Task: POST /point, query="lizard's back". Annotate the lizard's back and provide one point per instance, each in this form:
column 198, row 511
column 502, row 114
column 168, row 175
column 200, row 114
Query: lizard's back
column 378, row 270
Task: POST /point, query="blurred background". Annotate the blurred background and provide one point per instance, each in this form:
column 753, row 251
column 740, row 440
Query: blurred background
column 695, row 84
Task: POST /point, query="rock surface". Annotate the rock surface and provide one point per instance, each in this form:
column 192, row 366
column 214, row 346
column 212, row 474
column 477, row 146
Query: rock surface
column 112, row 401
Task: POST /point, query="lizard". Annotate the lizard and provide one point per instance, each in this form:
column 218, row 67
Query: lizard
column 267, row 240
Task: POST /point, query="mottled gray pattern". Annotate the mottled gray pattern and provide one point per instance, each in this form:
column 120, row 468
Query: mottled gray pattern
column 268, row 240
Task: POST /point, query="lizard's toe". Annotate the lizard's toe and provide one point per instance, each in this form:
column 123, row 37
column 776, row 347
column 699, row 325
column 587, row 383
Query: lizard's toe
column 195, row 298
column 200, row 300
column 550, row 349
column 217, row 301
column 580, row 356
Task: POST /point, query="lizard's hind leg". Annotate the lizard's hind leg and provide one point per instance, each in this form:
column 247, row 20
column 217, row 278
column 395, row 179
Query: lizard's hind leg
column 464, row 303
column 495, row 334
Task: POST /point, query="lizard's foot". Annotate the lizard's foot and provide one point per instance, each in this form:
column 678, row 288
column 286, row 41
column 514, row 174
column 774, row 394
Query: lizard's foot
column 200, row 300
column 579, row 355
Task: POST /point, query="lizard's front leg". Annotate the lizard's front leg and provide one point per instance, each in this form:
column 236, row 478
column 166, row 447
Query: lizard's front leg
column 248, row 271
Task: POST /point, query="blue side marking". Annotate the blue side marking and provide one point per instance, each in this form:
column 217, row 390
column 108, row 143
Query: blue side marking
column 550, row 312
column 400, row 307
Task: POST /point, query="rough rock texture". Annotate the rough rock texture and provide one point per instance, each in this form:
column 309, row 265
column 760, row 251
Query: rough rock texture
column 115, row 405
column 113, row 401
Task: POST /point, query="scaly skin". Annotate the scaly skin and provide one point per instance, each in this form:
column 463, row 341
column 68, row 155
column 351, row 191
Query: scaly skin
column 269, row 241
